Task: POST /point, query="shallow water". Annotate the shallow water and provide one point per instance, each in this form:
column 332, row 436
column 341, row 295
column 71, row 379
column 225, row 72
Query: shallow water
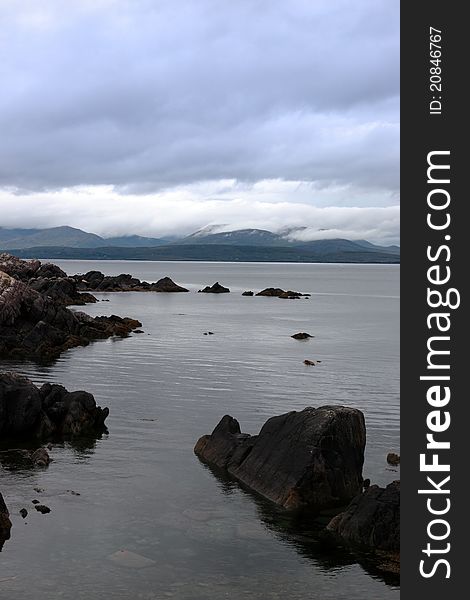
column 141, row 488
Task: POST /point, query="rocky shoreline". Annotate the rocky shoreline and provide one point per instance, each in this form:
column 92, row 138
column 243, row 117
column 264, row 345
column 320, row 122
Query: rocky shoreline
column 39, row 326
column 309, row 460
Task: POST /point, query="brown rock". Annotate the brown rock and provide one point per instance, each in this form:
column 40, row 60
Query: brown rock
column 313, row 457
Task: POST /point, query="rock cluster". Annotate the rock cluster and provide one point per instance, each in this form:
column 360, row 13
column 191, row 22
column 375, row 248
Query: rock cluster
column 279, row 293
column 49, row 412
column 34, row 325
column 98, row 282
column 47, row 279
column 309, row 458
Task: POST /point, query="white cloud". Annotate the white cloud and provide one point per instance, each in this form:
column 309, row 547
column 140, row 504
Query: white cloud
column 182, row 210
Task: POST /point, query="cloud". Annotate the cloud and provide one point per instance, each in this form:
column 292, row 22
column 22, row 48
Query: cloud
column 146, row 94
column 142, row 116
column 183, row 210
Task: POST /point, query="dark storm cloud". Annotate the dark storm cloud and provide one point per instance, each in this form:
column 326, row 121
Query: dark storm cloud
column 144, row 95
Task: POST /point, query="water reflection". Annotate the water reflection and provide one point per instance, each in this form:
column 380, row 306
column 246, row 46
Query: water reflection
column 301, row 530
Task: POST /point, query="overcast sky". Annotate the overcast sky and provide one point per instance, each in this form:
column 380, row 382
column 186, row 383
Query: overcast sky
column 155, row 117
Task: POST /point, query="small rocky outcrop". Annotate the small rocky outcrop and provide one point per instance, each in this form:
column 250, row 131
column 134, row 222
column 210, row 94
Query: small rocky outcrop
column 5, row 523
column 215, row 289
column 279, row 293
column 98, row 282
column 372, row 522
column 49, row 412
column 309, row 458
column 393, row 459
column 301, row 336
column 33, row 325
column 167, row 285
column 248, row 293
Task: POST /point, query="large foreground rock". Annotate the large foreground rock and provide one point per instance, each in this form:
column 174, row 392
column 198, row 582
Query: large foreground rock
column 50, row 412
column 36, row 326
column 309, row 458
column 372, row 522
column 5, row 523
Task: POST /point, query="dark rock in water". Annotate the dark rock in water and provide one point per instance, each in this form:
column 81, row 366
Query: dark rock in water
column 138, row 331
column 310, row 363
column 248, row 293
column 40, row 458
column 35, row 501
column 42, row 508
column 24, row 513
column 301, row 336
column 279, row 293
column 366, row 483
column 36, row 326
column 393, row 459
column 208, row 333
column 63, row 291
column 167, row 285
column 27, row 412
column 5, row 523
column 309, row 458
column 371, row 521
column 98, row 282
column 215, row 289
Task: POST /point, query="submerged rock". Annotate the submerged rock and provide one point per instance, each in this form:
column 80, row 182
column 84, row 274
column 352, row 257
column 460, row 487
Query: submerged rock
column 309, row 458
column 372, row 522
column 40, row 458
column 215, row 289
column 5, row 523
column 29, row 412
column 301, row 336
column 393, row 459
column 248, row 293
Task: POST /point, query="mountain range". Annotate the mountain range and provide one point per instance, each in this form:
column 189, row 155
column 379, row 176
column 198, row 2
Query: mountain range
column 206, row 244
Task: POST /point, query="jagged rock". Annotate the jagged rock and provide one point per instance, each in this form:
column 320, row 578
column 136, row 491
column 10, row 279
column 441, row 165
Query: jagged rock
column 393, row 459
column 47, row 279
column 215, row 289
column 371, row 521
column 28, row 412
column 279, row 293
column 5, row 523
column 42, row 508
column 310, row 363
column 301, row 336
column 24, row 513
column 63, row 290
column 248, row 293
column 167, row 285
column 36, row 326
column 309, row 458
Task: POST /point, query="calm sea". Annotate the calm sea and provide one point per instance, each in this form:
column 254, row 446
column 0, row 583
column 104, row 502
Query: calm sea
column 141, row 488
